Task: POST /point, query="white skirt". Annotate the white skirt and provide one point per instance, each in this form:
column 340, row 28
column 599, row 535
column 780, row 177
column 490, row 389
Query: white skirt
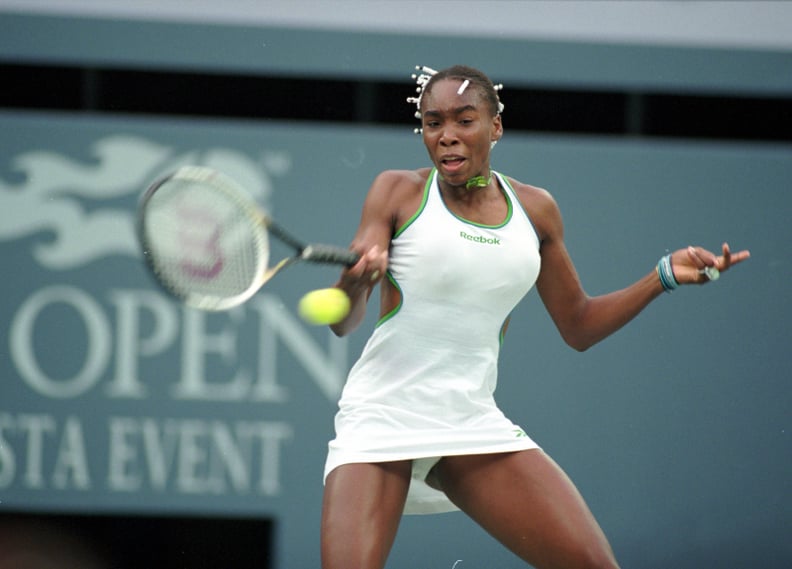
column 425, row 452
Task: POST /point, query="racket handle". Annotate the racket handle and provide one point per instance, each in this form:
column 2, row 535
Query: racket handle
column 318, row 253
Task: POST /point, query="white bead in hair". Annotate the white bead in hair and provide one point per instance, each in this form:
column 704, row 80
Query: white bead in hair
column 497, row 88
column 421, row 79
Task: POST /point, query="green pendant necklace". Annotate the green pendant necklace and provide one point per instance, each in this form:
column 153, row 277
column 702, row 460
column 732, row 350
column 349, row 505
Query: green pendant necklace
column 478, row 181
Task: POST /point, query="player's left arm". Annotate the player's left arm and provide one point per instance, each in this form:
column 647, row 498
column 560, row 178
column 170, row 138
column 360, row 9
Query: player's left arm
column 583, row 320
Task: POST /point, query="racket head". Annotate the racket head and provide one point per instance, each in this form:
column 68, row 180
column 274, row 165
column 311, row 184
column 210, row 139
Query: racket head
column 203, row 238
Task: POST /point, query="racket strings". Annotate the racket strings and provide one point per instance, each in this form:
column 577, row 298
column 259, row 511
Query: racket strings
column 207, row 246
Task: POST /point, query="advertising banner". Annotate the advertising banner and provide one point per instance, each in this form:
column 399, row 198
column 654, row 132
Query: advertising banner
column 112, row 394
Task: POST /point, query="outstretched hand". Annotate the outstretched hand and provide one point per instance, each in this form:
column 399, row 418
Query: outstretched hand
column 689, row 264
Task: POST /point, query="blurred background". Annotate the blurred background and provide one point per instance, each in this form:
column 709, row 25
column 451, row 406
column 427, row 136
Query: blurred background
column 135, row 433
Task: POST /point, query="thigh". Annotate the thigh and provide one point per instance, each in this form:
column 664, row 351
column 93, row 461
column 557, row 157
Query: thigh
column 527, row 502
column 361, row 510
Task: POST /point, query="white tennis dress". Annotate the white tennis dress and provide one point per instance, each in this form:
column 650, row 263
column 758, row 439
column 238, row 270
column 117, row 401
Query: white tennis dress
column 423, row 386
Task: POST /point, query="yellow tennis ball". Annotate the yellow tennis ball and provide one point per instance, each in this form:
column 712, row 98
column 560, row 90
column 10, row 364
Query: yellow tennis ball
column 324, row 306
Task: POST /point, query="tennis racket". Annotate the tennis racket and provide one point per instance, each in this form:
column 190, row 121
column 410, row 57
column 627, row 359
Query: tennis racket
column 207, row 242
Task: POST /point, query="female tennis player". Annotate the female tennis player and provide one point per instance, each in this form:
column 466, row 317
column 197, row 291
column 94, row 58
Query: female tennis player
column 455, row 247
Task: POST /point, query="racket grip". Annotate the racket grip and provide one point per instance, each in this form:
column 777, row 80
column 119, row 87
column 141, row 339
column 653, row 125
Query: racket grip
column 318, row 253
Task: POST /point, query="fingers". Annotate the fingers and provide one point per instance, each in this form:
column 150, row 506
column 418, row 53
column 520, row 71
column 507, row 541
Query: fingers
column 730, row 259
column 707, row 265
column 376, row 263
column 726, row 255
column 369, row 269
column 701, row 258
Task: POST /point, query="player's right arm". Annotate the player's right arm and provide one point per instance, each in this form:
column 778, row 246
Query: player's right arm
column 381, row 212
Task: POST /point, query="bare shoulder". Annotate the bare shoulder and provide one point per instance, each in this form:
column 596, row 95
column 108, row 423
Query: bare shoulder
column 399, row 192
column 401, row 180
column 540, row 206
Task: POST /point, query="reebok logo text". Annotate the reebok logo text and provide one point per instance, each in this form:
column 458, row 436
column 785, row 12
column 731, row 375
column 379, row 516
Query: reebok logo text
column 479, row 239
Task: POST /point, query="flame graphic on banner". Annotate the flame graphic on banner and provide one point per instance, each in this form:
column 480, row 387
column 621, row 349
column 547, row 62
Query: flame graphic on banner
column 74, row 201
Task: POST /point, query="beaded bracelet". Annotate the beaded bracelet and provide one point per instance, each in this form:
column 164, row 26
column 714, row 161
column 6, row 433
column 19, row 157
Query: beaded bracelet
column 666, row 273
